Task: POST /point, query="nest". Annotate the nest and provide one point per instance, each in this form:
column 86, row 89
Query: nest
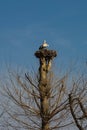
column 49, row 54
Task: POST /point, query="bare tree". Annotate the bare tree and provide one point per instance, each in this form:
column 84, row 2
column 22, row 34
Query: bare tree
column 44, row 102
column 78, row 103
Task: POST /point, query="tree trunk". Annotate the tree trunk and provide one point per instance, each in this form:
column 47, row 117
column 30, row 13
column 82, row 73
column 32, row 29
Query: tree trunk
column 45, row 57
column 44, row 99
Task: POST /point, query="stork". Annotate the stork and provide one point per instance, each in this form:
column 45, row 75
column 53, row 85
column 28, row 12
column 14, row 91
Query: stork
column 44, row 45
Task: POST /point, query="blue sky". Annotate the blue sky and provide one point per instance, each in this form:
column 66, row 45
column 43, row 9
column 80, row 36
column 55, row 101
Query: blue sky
column 24, row 24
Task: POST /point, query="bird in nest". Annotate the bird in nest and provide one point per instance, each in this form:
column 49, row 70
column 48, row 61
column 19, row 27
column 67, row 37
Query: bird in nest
column 44, row 45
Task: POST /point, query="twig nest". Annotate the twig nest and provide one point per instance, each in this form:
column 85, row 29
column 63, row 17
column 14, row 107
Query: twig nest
column 48, row 54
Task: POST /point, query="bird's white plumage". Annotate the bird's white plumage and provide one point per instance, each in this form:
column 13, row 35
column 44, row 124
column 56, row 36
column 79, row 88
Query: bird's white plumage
column 44, row 45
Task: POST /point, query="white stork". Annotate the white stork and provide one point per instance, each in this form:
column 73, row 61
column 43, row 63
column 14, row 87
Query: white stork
column 44, row 45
